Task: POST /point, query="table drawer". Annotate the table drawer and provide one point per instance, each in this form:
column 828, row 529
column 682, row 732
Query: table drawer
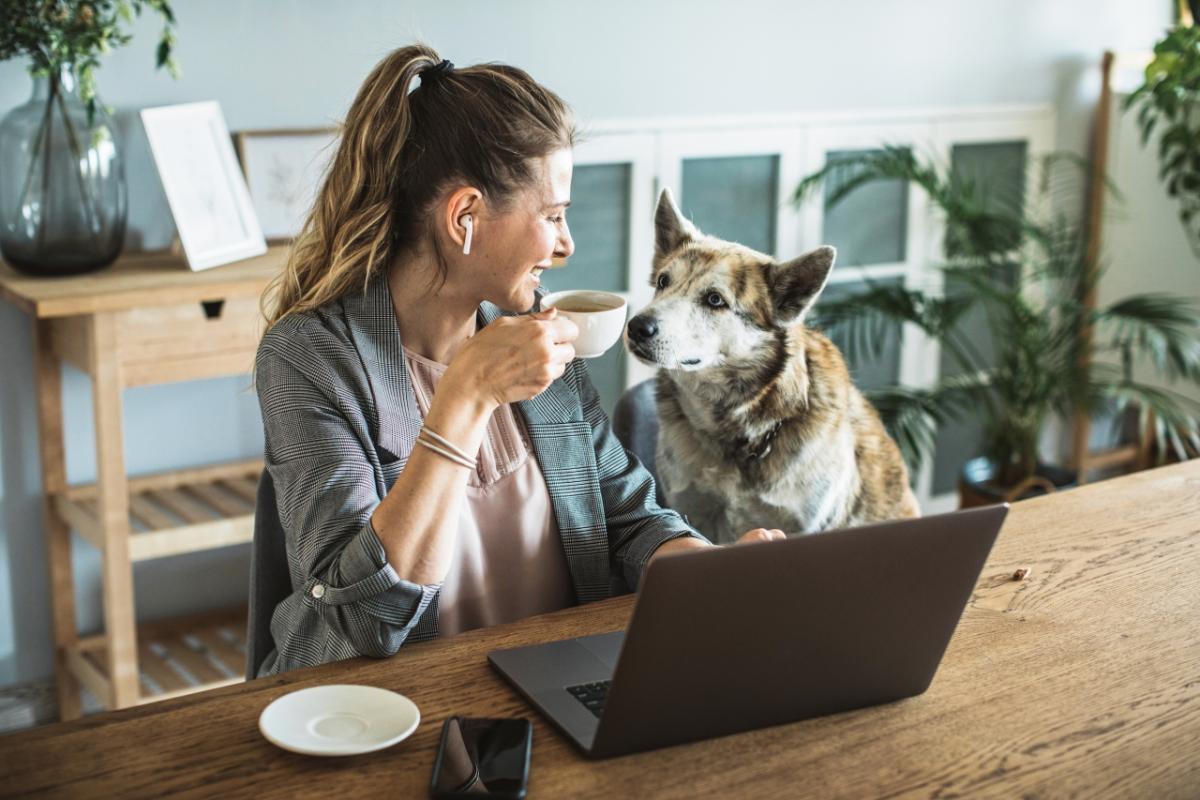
column 188, row 341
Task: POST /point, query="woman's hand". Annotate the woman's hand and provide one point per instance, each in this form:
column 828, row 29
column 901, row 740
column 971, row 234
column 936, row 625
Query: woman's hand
column 761, row 535
column 515, row 358
column 682, row 543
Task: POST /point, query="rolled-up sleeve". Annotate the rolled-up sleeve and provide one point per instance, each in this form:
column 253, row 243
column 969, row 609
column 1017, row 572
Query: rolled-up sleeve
column 636, row 524
column 348, row 600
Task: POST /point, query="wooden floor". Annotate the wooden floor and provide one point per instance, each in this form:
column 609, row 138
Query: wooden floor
column 175, row 657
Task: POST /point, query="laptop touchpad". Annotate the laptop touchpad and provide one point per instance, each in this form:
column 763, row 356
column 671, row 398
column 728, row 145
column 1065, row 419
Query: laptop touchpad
column 604, row 646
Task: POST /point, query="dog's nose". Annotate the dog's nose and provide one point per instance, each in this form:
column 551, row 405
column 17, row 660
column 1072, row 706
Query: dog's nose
column 642, row 328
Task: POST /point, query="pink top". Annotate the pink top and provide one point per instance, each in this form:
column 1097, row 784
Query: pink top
column 509, row 561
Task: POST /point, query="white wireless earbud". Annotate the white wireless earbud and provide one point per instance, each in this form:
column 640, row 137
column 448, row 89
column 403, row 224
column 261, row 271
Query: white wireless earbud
column 470, row 230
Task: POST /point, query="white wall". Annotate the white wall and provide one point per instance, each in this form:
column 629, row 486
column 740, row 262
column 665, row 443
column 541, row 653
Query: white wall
column 276, row 64
column 1145, row 248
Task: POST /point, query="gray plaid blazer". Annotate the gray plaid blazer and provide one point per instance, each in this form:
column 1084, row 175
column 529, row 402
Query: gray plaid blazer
column 340, row 420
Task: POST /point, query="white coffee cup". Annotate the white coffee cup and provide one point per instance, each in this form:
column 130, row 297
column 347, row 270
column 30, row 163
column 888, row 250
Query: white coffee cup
column 600, row 317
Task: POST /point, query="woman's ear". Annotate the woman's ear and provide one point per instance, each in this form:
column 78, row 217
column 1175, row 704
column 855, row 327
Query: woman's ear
column 461, row 217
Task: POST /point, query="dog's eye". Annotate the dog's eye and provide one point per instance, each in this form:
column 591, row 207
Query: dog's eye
column 714, row 300
column 663, row 281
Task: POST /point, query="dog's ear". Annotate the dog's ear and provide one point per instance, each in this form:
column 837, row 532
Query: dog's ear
column 796, row 284
column 671, row 229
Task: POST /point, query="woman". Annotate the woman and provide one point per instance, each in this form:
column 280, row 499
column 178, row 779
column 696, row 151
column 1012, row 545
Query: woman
column 438, row 459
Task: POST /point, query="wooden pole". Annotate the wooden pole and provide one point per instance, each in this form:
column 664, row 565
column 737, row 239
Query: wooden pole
column 1082, row 426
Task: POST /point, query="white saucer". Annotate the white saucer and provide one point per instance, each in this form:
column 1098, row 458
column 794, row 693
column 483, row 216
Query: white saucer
column 338, row 720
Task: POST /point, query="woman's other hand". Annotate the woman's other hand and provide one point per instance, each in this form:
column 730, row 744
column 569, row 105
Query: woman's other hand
column 515, row 358
column 761, row 535
column 683, row 543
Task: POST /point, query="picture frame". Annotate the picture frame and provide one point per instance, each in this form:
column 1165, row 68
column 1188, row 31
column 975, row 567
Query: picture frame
column 283, row 169
column 205, row 188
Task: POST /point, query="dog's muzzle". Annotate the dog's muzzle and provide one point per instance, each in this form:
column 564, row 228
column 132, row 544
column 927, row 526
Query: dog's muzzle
column 640, row 333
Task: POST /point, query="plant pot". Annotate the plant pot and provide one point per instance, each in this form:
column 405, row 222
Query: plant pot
column 62, row 183
column 977, row 487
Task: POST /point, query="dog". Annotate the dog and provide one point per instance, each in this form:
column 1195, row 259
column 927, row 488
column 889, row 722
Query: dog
column 760, row 425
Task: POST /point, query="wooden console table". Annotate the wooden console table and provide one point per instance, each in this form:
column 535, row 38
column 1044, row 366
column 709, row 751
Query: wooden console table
column 146, row 319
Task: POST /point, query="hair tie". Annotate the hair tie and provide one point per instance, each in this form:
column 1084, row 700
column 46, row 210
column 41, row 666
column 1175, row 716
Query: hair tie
column 437, row 71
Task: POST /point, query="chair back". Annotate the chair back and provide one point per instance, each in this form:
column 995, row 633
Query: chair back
column 635, row 423
column 270, row 580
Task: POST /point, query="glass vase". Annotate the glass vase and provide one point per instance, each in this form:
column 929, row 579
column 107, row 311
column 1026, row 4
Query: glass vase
column 62, row 183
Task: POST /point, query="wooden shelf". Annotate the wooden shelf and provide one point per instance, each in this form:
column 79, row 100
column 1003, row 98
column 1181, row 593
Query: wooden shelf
column 176, row 512
column 146, row 319
column 175, row 657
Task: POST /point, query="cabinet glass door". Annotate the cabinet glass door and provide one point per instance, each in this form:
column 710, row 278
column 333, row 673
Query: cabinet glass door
column 600, row 223
column 998, row 168
column 869, row 225
column 873, row 364
column 733, row 198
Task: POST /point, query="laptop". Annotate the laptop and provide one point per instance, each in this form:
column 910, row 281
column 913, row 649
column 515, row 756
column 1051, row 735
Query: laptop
column 730, row 639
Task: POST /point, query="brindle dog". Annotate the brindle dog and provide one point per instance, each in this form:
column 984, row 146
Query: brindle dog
column 760, row 425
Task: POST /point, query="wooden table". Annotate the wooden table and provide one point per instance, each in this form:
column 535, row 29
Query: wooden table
column 146, row 319
column 1082, row 680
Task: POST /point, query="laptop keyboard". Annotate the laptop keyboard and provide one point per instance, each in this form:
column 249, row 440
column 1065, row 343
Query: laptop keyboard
column 592, row 695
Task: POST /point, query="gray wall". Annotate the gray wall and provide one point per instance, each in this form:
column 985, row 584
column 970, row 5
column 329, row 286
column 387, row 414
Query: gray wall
column 275, row 64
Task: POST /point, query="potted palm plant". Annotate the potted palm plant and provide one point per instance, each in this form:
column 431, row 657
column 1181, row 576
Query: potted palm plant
column 1027, row 274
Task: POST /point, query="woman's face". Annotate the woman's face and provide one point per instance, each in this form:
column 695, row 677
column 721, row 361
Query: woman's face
column 511, row 248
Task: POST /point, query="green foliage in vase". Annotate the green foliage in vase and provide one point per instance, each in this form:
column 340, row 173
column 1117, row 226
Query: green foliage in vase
column 70, row 34
column 1026, row 274
column 1169, row 101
